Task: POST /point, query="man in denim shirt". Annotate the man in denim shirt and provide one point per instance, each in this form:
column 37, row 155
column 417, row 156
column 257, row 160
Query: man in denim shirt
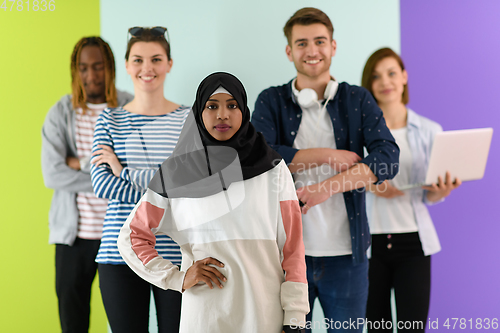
column 322, row 142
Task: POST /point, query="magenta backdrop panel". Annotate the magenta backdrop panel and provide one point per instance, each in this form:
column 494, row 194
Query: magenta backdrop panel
column 452, row 52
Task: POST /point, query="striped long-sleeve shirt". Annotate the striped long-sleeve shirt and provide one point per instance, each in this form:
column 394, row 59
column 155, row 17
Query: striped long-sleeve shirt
column 141, row 144
column 91, row 210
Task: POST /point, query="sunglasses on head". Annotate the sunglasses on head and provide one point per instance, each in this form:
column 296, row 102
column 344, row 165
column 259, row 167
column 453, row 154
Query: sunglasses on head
column 155, row 31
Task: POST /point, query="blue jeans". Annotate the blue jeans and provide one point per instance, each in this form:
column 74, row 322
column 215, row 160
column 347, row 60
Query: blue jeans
column 342, row 289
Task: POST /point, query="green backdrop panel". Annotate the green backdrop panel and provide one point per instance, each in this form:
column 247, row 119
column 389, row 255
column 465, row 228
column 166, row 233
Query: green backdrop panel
column 34, row 66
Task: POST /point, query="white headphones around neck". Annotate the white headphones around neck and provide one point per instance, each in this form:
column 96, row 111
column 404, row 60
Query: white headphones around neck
column 307, row 97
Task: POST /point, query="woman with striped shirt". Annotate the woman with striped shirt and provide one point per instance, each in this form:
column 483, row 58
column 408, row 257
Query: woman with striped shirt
column 130, row 143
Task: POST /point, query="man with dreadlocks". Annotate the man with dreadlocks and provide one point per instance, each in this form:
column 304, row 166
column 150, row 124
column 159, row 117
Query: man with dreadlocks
column 76, row 215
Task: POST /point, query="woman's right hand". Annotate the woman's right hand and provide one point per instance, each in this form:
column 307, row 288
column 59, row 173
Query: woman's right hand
column 385, row 190
column 200, row 271
column 106, row 154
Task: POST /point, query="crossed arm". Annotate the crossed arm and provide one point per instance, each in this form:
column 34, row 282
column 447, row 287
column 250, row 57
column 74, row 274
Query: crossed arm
column 353, row 175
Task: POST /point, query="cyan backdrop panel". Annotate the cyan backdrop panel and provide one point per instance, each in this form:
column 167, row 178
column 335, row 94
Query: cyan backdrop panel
column 246, row 38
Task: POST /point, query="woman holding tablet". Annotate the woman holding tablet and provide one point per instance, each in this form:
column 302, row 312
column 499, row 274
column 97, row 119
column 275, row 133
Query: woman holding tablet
column 403, row 235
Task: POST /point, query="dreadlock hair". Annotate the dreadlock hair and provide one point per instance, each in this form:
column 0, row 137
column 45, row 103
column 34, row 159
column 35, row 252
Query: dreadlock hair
column 79, row 97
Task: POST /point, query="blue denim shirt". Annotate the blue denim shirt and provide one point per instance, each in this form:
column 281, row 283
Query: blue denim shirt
column 357, row 123
column 421, row 133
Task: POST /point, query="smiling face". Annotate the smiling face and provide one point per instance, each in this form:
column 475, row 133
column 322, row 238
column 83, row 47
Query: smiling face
column 388, row 81
column 92, row 74
column 311, row 50
column 222, row 116
column 148, row 65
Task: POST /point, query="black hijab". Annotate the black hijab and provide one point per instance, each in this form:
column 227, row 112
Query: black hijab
column 201, row 165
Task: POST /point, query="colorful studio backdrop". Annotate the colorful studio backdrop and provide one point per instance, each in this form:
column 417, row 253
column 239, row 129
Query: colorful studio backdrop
column 451, row 49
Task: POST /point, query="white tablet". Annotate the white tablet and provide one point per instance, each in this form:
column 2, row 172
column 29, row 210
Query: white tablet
column 463, row 153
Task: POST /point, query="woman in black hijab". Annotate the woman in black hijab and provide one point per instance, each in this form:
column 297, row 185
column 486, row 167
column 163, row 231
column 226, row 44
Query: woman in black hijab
column 229, row 201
